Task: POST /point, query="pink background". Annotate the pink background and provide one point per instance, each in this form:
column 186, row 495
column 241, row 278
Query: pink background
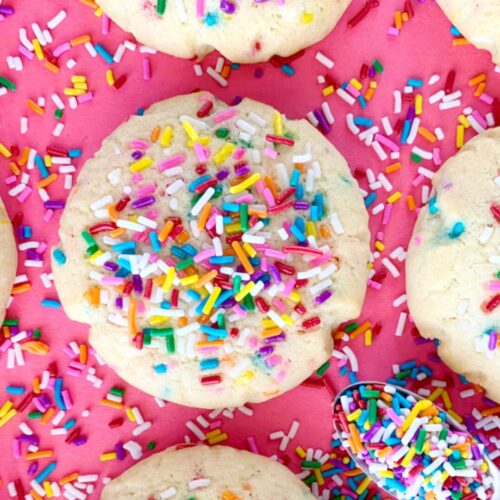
column 423, row 48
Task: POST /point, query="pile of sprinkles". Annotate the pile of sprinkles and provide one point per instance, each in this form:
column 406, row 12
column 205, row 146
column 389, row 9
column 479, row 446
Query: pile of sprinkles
column 254, row 241
column 410, row 446
column 329, row 471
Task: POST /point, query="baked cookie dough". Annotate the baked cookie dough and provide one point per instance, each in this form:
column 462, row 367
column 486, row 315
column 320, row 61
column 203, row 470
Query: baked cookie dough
column 244, row 31
column 213, row 249
column 8, row 251
column 453, row 263
column 478, row 21
column 206, row 473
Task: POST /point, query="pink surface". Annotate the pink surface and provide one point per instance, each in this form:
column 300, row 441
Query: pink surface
column 423, row 48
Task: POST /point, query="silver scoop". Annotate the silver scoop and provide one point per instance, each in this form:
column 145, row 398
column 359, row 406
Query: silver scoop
column 493, row 469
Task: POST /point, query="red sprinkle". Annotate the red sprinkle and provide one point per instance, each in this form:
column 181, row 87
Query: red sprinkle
column 280, row 140
column 205, row 109
column 211, row 380
column 122, row 203
column 311, row 322
column 102, row 227
column 450, row 80
column 493, row 303
column 495, row 210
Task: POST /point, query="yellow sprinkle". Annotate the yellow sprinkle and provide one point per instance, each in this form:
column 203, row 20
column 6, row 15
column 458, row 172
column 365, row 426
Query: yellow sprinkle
column 418, row 104
column 307, row 18
column 245, row 378
column 108, row 456
column 238, row 188
column 5, row 408
column 110, row 78
column 130, row 414
column 405, row 17
column 394, row 197
column 73, row 92
column 95, row 256
column 209, row 304
column 224, row 153
column 363, row 485
column 386, row 473
column 295, row 296
column 278, row 124
column 268, row 323
column 204, row 141
column 250, row 250
column 47, row 160
column 78, row 79
column 311, row 229
column 421, row 405
column 319, row 477
column 328, row 90
column 48, row 489
column 38, row 49
column 408, row 457
column 4, row 151
column 373, row 84
column 244, row 291
column 189, row 280
column 169, row 279
column 457, row 417
column 379, row 246
column 166, row 137
column 462, row 119
column 287, row 319
column 80, row 86
column 354, row 415
column 460, row 136
column 9, row 415
column 368, row 337
column 356, row 84
column 190, row 131
column 300, row 452
column 218, row 439
column 446, row 400
column 141, row 164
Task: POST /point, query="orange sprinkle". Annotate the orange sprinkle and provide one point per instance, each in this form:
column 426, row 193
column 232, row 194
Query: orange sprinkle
column 476, row 80
column 14, row 168
column 360, row 329
column 243, row 257
column 206, row 343
column 24, row 156
column 69, row 478
column 271, row 185
column 36, row 347
column 79, row 40
column 480, row 89
column 355, row 438
column 47, row 181
column 35, row 495
column 35, row 107
column 393, row 168
column 384, row 451
column 166, row 230
column 405, row 17
column 83, row 354
column 255, row 211
column 132, row 309
column 47, row 416
column 460, row 41
column 491, row 411
column 229, row 495
column 39, row 454
column 112, row 404
column 183, row 237
column 116, row 233
column 324, row 231
column 386, row 396
column 410, row 202
column 182, row 322
column 427, row 134
column 155, row 133
column 352, row 472
column 205, row 212
column 52, row 67
column 369, row 94
column 113, row 214
column 36, row 385
column 203, row 280
column 18, row 289
column 398, row 20
column 226, row 71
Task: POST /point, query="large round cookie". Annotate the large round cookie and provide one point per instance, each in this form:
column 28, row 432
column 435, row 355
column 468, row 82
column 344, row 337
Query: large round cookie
column 204, row 473
column 8, row 252
column 245, row 31
column 454, row 261
column 478, row 21
column 249, row 244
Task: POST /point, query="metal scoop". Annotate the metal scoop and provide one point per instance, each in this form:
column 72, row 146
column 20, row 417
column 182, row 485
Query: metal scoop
column 493, row 470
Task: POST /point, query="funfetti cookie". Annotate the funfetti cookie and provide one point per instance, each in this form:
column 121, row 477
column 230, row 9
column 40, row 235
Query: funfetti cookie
column 477, row 21
column 454, row 263
column 213, row 249
column 245, row 31
column 207, row 473
column 8, row 254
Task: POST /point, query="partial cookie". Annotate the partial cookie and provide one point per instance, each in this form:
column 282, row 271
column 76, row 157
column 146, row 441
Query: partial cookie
column 206, row 473
column 213, row 249
column 8, row 253
column 453, row 263
column 245, row 31
column 478, row 21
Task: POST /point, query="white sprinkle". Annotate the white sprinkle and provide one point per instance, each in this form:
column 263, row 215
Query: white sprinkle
column 141, row 428
column 90, row 49
column 352, row 358
column 134, row 449
column 449, row 105
column 328, row 113
column 23, row 37
column 202, row 201
column 120, row 51
column 312, row 119
column 438, row 132
column 195, row 430
column 397, row 101
column 324, row 60
column 467, row 393
column 399, row 300
column 454, row 96
column 196, row 484
column 486, row 234
column 387, row 125
column 401, row 324
column 436, row 97
column 351, row 125
column 218, row 78
column 434, row 79
column 132, row 226
column 58, row 129
column 345, row 96
column 101, row 202
column 378, row 149
column 57, row 20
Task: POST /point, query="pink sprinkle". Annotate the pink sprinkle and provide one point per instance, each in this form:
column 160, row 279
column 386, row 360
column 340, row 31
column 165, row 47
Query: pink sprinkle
column 271, row 153
column 105, row 24
column 204, row 255
column 16, row 448
column 136, row 177
column 274, row 254
column 252, row 445
column 224, row 115
column 26, row 53
column 171, row 162
column 200, row 8
column 353, row 91
column 24, row 194
column 150, row 188
column 138, row 144
column 387, row 142
column 10, row 180
column 73, row 372
column 392, row 31
column 146, row 69
column 321, row 259
column 436, row 157
column 418, row 180
column 273, row 360
column 61, row 49
column 387, row 214
column 69, row 352
column 486, row 98
column 240, row 311
column 279, row 305
column 289, row 287
column 239, row 154
column 41, row 248
column 152, row 214
column 66, row 398
column 479, row 119
column 200, row 151
column 374, row 284
column 268, row 195
column 85, row 97
column 264, row 264
column 494, row 286
column 112, row 280
column 246, row 198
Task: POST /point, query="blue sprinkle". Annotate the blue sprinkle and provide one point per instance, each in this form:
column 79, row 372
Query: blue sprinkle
column 225, row 295
column 426, row 370
column 179, row 252
column 59, row 256
column 140, row 111
column 433, row 206
column 294, row 181
column 161, row 368
column 209, row 364
column 231, row 207
column 223, row 259
column 69, row 424
column 189, row 249
column 58, row 393
column 27, row 232
column 155, row 242
column 288, row 70
column 166, row 304
column 214, row 332
column 201, row 305
column 454, row 31
column 457, row 230
column 75, row 153
column 54, row 304
column 235, row 66
column 415, row 82
column 299, row 194
column 370, row 199
column 211, row 19
column 406, row 132
column 363, row 122
column 45, row 473
column 12, row 389
column 126, row 245
column 198, row 181
column 297, row 233
column 193, row 294
column 104, row 53
column 353, row 378
column 41, row 167
column 408, row 365
column 362, row 101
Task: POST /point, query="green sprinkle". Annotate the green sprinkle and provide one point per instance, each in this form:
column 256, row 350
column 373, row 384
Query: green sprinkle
column 322, row 369
column 183, row 264
column 89, row 239
column 161, row 7
column 10, row 322
column 222, row 133
column 419, row 447
column 159, row 332
column 249, row 303
column 403, row 374
column 151, row 445
column 310, row 480
column 416, row 158
column 221, row 321
column 170, row 340
column 310, row 464
column 147, row 338
column 116, row 391
column 244, row 216
column 37, row 334
column 58, row 113
column 237, row 283
column 350, row 327
column 35, row 414
column 372, row 411
column 377, row 66
column 443, row 434
column 5, row 82
column 367, row 394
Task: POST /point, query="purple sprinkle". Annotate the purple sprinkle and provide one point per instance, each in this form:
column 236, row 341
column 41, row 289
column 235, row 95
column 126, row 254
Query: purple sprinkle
column 492, row 343
column 137, row 283
column 79, row 441
column 259, row 73
column 227, row 304
column 301, row 205
column 33, row 255
column 323, row 297
column 32, row 469
column 244, row 169
column 119, row 302
column 222, row 174
column 324, row 126
column 111, row 266
column 227, row 7
column 120, row 453
column 6, row 11
column 371, row 72
column 28, row 439
column 237, row 100
column 266, row 350
column 411, row 113
column 53, row 204
column 277, row 338
column 275, row 274
column 137, row 154
column 143, row 202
